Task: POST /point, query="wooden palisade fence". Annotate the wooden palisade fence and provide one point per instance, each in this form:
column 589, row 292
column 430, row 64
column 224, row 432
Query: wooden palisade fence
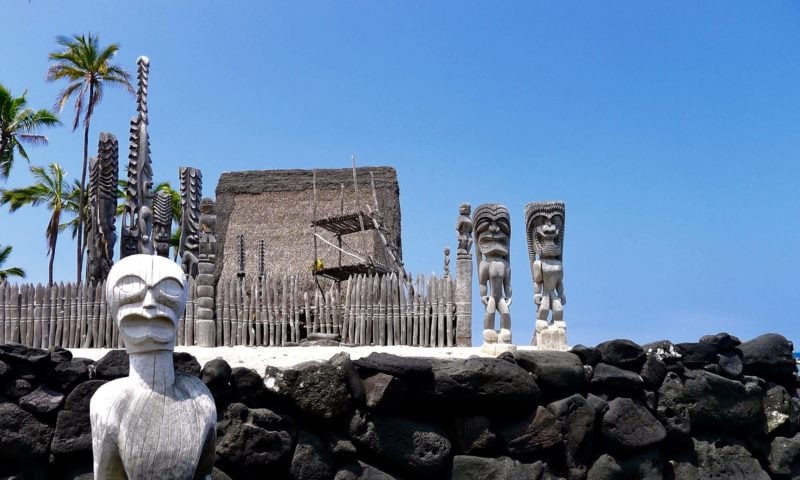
column 265, row 311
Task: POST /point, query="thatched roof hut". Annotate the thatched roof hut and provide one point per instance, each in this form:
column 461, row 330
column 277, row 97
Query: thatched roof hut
column 277, row 206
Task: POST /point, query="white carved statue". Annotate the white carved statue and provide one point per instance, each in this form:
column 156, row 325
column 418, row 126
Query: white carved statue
column 153, row 424
column 492, row 243
column 544, row 222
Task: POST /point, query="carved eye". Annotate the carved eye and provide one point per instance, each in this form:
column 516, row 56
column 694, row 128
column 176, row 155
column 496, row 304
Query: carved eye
column 130, row 285
column 169, row 290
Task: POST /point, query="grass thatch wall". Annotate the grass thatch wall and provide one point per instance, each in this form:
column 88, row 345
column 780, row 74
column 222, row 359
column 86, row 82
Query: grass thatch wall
column 276, row 205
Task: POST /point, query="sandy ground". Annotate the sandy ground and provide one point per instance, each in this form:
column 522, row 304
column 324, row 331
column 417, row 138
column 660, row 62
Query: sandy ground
column 258, row 358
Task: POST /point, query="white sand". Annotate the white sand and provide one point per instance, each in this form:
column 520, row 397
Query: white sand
column 258, row 358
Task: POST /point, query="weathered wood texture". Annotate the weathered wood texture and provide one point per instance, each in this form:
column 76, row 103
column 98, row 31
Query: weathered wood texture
column 265, row 311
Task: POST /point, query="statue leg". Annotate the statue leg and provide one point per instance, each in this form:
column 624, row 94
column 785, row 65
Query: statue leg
column 489, row 335
column 541, row 319
column 558, row 310
column 505, row 322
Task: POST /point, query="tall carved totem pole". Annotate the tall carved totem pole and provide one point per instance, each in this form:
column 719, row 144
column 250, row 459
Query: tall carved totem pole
column 137, row 219
column 205, row 334
column 102, row 236
column 464, row 277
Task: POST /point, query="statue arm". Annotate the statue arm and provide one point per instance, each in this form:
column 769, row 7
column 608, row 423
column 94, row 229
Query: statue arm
column 538, row 280
column 483, row 279
column 507, row 284
column 560, row 291
column 107, row 462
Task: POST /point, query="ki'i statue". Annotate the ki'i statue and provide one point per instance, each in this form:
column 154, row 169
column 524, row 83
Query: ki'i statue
column 103, row 173
column 492, row 243
column 155, row 423
column 208, row 227
column 464, row 229
column 137, row 217
column 544, row 224
column 191, row 194
column 162, row 222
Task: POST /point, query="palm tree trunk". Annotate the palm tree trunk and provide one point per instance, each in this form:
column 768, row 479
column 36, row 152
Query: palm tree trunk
column 81, row 205
column 52, row 258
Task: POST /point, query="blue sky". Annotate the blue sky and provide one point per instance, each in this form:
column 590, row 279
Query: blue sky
column 671, row 130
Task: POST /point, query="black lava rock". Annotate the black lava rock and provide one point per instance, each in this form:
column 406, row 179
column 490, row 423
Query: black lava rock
column 771, row 357
column 557, row 373
column 114, row 364
column 622, row 353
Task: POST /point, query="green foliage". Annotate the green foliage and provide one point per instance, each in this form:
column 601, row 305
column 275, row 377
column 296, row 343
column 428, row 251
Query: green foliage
column 19, row 125
column 11, row 271
column 51, row 189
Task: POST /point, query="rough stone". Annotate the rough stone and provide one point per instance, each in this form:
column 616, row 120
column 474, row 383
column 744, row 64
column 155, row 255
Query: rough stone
column 577, row 418
column 653, row 372
column 402, row 367
column 342, row 360
column 770, row 356
column 474, row 436
column 78, row 400
column 588, row 355
column 312, row 460
column 113, row 365
column 717, row 457
column 779, row 410
column 384, row 392
column 319, row 390
column 622, row 353
column 628, row 425
column 663, row 350
column 714, row 402
column 695, row 355
column 730, row 363
column 412, row 446
column 340, row 447
column 249, row 387
column 17, row 389
column 361, row 471
column 529, row 436
column 254, row 442
column 784, row 457
column 467, row 467
column 722, row 341
column 218, row 376
column 5, row 372
column 556, row 373
column 42, row 402
column 614, row 381
column 28, row 363
column 185, row 363
column 22, row 436
column 58, row 355
column 67, row 374
column 477, row 385
column 73, row 433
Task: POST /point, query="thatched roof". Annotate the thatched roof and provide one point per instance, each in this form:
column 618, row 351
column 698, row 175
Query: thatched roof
column 277, row 206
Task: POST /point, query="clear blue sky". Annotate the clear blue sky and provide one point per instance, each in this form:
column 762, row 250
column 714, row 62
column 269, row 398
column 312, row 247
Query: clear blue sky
column 671, row 129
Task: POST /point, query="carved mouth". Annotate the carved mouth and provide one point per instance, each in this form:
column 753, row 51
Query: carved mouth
column 139, row 329
column 496, row 244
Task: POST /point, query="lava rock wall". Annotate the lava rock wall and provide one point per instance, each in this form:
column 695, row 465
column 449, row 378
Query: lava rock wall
column 716, row 408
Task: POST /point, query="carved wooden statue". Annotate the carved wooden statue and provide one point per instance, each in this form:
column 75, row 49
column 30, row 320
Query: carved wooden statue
column 155, row 423
column 162, row 222
column 544, row 225
column 191, row 193
column 464, row 229
column 103, row 174
column 137, row 219
column 492, row 243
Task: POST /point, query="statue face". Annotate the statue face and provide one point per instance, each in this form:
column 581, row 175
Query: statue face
column 548, row 234
column 146, row 295
column 493, row 233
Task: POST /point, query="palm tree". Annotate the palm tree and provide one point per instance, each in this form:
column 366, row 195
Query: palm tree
column 19, row 124
column 50, row 188
column 86, row 65
column 11, row 271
